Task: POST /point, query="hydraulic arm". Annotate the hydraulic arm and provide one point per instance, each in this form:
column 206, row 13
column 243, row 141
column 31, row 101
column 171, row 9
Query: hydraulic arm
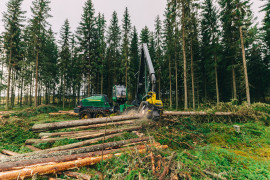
column 146, row 98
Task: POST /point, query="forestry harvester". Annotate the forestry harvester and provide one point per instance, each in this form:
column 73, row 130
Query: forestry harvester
column 145, row 102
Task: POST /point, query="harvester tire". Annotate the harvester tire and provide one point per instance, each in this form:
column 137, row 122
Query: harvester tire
column 85, row 114
column 99, row 115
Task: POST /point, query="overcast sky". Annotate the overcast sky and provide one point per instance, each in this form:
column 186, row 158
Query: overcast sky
column 142, row 12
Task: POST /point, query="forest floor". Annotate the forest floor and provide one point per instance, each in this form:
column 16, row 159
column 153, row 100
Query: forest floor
column 199, row 147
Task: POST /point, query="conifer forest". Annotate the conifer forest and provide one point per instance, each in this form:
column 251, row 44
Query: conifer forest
column 211, row 76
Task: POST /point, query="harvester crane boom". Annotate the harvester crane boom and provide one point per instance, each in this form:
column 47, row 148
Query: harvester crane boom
column 146, row 75
column 146, row 97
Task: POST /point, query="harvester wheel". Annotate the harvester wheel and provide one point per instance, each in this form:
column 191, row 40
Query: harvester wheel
column 85, row 115
column 99, row 115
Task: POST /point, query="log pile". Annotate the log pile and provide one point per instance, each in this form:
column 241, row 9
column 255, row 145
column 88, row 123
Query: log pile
column 90, row 149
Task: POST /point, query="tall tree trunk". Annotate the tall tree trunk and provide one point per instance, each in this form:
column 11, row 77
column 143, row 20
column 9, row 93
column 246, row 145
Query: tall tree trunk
column 198, row 95
column 36, row 84
column 88, row 89
column 176, row 75
column 30, row 97
column 64, row 90
column 216, row 75
column 170, row 76
column 234, row 83
column 9, row 76
column 159, row 83
column 192, row 77
column 2, row 65
column 79, row 93
column 184, row 56
column 54, row 95
column 101, row 83
column 21, row 101
column 12, row 89
column 126, row 71
column 245, row 66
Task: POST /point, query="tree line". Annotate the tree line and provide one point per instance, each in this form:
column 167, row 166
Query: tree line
column 202, row 52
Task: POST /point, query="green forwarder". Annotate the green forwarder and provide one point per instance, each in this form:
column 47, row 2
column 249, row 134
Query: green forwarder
column 99, row 105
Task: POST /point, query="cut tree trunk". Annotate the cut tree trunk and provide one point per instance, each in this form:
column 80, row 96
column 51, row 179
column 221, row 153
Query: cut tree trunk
column 48, row 153
column 84, row 127
column 10, row 153
column 67, row 124
column 191, row 113
column 83, row 135
column 2, row 156
column 58, row 167
column 65, row 133
column 8, row 166
column 103, row 125
column 83, row 143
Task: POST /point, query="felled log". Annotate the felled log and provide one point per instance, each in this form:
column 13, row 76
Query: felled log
column 8, row 166
column 10, row 153
column 77, row 175
column 2, row 156
column 63, row 133
column 58, row 167
column 199, row 113
column 67, row 124
column 64, row 113
column 55, row 114
column 81, row 135
column 92, row 148
column 103, row 125
column 82, row 143
column 33, row 148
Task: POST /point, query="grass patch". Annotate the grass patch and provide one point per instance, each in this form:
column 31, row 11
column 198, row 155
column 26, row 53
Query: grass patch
column 34, row 111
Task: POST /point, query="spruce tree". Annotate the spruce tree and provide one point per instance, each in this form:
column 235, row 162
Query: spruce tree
column 209, row 52
column 168, row 48
column 48, row 65
column 258, row 68
column 86, row 35
column 183, row 6
column 13, row 20
column 242, row 19
column 113, row 41
column 134, row 60
column 145, row 35
column 65, row 57
column 40, row 10
column 101, row 25
column 126, row 30
column 159, row 51
column 230, row 39
column 266, row 30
